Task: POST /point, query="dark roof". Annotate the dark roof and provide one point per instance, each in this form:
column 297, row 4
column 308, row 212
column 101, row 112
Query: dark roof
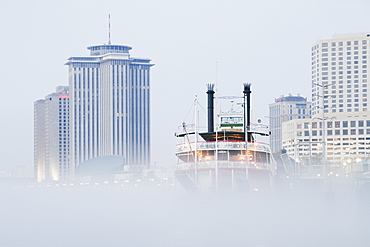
column 223, row 135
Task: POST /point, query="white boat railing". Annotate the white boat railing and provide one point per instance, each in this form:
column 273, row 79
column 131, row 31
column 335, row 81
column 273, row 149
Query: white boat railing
column 209, row 165
column 222, row 145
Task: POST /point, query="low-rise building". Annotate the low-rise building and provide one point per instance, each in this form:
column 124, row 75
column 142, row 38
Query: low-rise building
column 346, row 139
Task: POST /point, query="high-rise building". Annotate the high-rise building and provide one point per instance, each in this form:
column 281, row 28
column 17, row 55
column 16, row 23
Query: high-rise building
column 39, row 139
column 51, row 136
column 339, row 128
column 284, row 109
column 340, row 72
column 110, row 107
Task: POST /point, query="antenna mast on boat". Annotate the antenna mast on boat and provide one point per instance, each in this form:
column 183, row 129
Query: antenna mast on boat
column 196, row 138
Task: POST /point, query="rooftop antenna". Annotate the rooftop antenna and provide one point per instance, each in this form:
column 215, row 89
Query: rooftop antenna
column 109, row 28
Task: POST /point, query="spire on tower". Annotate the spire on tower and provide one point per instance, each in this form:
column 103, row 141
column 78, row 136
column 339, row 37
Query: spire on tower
column 109, row 28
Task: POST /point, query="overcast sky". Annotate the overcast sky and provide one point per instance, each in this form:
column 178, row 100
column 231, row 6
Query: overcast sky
column 266, row 43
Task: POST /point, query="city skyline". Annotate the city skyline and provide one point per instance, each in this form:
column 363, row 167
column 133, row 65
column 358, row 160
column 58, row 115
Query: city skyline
column 218, row 43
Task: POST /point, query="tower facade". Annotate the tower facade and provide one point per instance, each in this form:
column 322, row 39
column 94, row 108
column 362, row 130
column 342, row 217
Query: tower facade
column 284, row 109
column 110, row 105
column 51, row 136
column 340, row 73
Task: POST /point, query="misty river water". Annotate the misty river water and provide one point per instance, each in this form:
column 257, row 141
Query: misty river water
column 141, row 218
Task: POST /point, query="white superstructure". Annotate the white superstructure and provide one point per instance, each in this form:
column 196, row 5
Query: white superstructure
column 110, row 112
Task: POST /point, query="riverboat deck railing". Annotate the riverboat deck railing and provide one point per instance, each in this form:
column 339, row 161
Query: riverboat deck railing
column 222, row 145
column 227, row 165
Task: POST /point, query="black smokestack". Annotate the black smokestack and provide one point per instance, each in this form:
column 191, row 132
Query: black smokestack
column 247, row 96
column 210, row 93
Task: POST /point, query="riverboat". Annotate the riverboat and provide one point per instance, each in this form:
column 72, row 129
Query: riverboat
column 229, row 156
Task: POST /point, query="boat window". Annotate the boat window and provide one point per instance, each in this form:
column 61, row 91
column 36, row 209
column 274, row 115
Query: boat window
column 231, row 120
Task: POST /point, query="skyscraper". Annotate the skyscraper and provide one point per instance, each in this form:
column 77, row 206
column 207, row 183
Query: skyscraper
column 339, row 129
column 339, row 68
column 51, row 136
column 110, row 107
column 284, row 109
